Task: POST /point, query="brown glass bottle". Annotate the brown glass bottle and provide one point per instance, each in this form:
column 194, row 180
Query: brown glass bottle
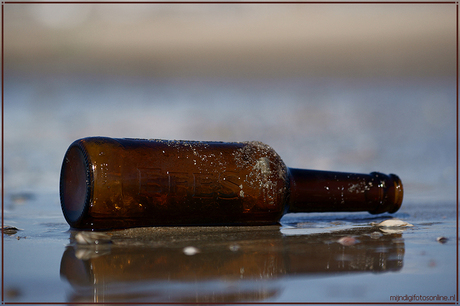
column 111, row 183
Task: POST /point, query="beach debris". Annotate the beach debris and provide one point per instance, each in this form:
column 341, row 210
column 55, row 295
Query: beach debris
column 392, row 226
column 442, row 239
column 92, row 238
column 12, row 293
column 234, row 247
column 392, row 223
column 190, row 250
column 87, row 252
column 10, row 230
column 21, row 198
column 376, row 235
column 348, row 241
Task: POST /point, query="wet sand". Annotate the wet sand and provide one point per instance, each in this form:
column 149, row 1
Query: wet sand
column 335, row 257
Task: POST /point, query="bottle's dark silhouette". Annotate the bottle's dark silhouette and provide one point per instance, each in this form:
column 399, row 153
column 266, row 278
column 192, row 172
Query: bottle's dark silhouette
column 116, row 183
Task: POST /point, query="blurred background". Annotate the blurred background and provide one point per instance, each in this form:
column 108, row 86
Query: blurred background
column 344, row 87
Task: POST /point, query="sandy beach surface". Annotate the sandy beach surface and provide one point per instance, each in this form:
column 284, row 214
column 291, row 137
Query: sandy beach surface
column 340, row 87
column 308, row 258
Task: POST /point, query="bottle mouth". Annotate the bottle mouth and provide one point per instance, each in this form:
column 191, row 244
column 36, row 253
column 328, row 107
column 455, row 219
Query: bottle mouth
column 391, row 193
column 398, row 193
column 75, row 186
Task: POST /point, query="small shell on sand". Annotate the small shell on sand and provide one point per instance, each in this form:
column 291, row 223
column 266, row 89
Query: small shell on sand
column 348, row 241
column 376, row 235
column 10, row 230
column 92, row 238
column 234, row 247
column 190, row 250
column 442, row 239
column 392, row 223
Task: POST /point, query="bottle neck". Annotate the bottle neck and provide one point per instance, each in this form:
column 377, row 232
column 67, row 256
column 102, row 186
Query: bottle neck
column 326, row 191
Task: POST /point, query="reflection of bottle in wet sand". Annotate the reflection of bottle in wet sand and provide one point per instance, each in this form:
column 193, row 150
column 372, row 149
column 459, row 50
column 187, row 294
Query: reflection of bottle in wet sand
column 253, row 256
column 114, row 183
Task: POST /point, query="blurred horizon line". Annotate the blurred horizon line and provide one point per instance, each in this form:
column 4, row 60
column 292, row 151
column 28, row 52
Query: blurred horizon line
column 250, row 40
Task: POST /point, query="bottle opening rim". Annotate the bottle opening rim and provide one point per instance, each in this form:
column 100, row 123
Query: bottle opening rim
column 399, row 193
column 75, row 186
